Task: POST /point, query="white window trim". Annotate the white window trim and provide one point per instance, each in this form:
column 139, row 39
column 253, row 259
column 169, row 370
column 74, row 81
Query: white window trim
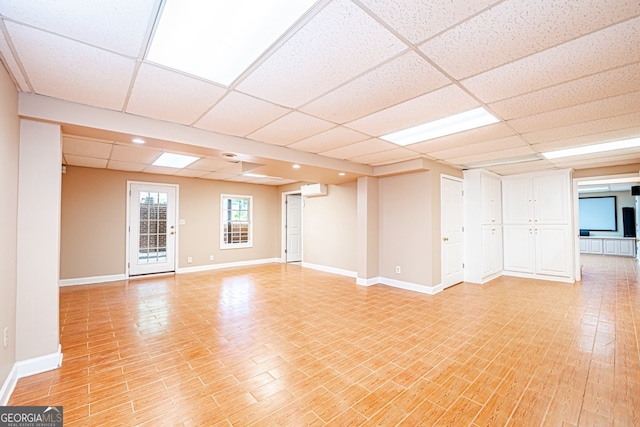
column 223, row 212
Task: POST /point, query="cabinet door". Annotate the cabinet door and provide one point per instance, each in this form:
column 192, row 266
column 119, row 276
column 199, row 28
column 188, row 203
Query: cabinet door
column 491, row 200
column 626, row 247
column 497, row 250
column 518, row 248
column 551, row 199
column 595, row 246
column 553, row 250
column 517, row 198
column 609, row 247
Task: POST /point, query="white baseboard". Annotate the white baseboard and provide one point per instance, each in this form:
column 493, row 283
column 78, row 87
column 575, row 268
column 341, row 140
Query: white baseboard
column 539, row 277
column 333, row 270
column 92, row 280
column 227, row 265
column 429, row 290
column 25, row 368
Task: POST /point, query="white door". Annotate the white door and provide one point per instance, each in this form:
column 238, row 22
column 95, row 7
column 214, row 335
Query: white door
column 152, row 228
column 293, row 227
column 452, row 238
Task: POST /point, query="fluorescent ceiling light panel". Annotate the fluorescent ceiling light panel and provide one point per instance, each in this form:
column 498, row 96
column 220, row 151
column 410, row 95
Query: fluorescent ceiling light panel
column 218, row 40
column 590, row 149
column 471, row 119
column 593, row 189
column 254, row 175
column 172, row 160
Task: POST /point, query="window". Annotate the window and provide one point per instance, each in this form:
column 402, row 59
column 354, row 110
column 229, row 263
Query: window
column 236, row 222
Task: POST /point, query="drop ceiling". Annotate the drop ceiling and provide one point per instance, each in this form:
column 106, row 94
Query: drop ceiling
column 557, row 74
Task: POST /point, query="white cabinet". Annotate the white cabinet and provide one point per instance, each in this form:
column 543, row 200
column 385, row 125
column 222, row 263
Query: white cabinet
column 537, row 225
column 482, row 226
column 618, row 246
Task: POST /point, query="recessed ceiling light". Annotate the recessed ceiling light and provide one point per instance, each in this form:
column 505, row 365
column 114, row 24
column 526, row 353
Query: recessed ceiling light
column 254, row 175
column 296, row 166
column 342, row 174
column 228, row 155
column 218, row 40
column 590, row 149
column 137, row 141
column 471, row 119
column 172, row 160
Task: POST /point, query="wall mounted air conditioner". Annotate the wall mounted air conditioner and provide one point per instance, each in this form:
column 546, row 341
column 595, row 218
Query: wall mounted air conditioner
column 313, row 190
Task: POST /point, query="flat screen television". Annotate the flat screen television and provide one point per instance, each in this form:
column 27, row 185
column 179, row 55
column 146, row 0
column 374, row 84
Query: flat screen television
column 598, row 213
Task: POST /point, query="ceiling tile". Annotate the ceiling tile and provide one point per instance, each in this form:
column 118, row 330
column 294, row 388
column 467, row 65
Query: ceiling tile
column 12, row 65
column 623, row 121
column 417, row 20
column 360, row 149
column 603, row 85
column 166, row 95
column 134, row 154
column 332, row 48
column 218, row 176
column 65, row 69
column 239, row 114
column 333, row 138
column 126, row 166
column 479, row 148
column 593, row 110
column 116, row 25
column 210, row 164
column 613, row 135
column 161, row 170
column 522, row 167
column 392, row 83
column 86, row 147
column 594, row 53
column 386, row 157
column 87, row 162
column 473, row 136
column 290, row 128
column 518, row 28
column 493, row 155
column 192, row 173
column 435, row 105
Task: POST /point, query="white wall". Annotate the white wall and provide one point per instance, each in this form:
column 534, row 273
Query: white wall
column 9, row 150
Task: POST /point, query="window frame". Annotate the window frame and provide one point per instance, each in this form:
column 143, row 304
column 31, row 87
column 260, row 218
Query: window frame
column 224, row 213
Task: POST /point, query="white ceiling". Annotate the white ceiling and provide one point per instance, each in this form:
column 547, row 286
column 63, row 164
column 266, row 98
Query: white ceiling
column 557, row 74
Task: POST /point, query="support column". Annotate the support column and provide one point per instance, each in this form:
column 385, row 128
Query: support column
column 367, row 233
column 38, row 251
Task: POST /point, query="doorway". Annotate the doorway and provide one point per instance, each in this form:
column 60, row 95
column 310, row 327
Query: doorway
column 292, row 227
column 451, row 231
column 152, row 228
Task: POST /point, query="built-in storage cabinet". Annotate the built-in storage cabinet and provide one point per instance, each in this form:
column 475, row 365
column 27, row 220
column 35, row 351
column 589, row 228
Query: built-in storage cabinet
column 619, row 246
column 482, row 226
column 537, row 225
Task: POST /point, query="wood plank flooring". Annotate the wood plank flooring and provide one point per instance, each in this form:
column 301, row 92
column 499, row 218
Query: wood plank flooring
column 283, row 345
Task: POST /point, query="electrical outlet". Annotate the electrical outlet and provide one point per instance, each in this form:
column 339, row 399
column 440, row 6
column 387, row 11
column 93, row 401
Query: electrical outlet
column 398, row 271
column 189, row 260
column 210, row 257
column 5, row 337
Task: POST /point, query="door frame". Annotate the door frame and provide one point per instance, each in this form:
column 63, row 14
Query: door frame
column 603, row 179
column 283, row 225
column 442, row 258
column 128, row 224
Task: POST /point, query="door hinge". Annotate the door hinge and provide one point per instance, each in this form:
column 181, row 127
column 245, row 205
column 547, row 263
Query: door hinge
column 128, row 265
column 463, row 229
column 285, row 251
column 463, row 265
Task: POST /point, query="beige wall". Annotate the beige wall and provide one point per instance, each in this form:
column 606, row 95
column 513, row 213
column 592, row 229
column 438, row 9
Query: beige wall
column 329, row 228
column 38, row 249
column 9, row 143
column 94, row 219
column 405, row 235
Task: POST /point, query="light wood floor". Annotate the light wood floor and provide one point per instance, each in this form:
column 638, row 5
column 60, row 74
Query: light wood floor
column 285, row 345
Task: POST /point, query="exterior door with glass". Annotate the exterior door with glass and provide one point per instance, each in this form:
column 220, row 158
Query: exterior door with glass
column 152, row 228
